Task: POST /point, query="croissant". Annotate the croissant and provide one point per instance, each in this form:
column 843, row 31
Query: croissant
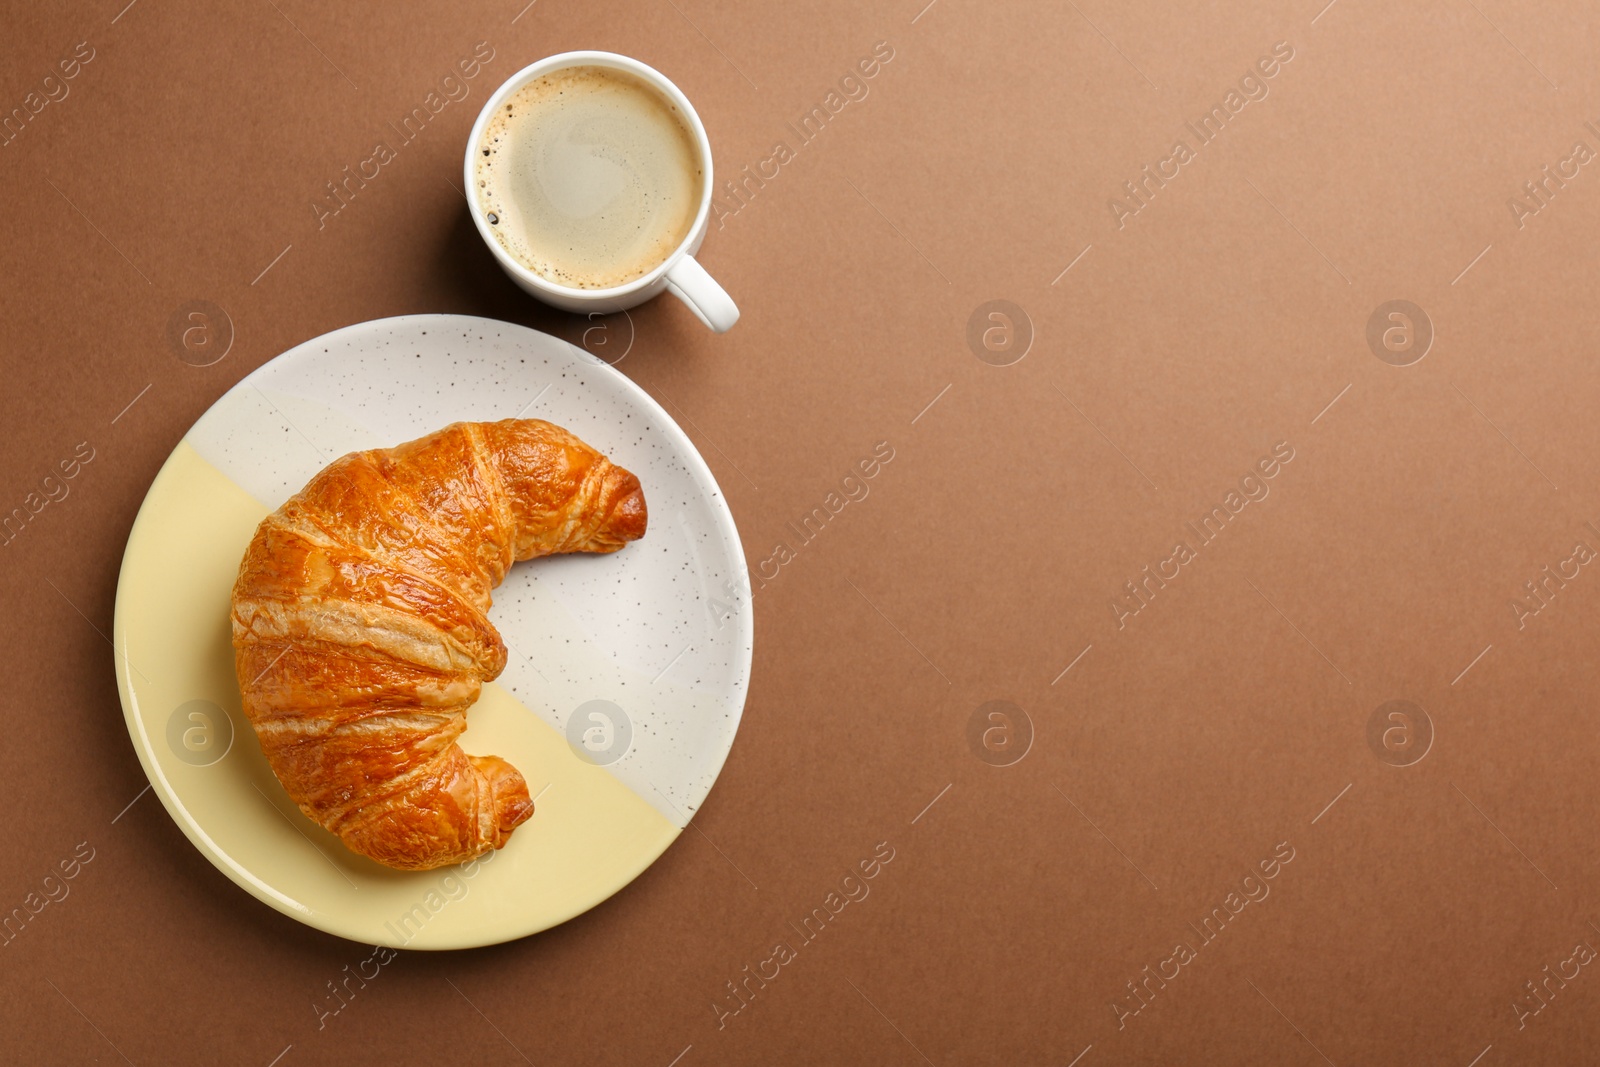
column 361, row 632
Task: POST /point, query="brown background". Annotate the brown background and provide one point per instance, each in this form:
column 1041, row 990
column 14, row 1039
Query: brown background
column 1222, row 720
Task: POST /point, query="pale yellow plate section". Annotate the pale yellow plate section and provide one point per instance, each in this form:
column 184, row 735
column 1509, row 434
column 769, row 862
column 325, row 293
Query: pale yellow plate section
column 589, row 836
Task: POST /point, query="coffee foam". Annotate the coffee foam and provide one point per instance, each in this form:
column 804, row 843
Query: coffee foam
column 590, row 177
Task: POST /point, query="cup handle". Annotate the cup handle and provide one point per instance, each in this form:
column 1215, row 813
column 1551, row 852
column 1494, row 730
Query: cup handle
column 710, row 303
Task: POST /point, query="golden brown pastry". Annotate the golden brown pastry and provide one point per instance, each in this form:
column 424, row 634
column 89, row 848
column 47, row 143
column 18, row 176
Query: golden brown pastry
column 361, row 632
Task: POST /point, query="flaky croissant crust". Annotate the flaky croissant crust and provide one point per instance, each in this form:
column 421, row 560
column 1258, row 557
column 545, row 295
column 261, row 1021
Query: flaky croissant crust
column 361, row 632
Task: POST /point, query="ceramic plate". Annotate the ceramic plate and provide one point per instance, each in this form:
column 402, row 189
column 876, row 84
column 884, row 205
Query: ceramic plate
column 626, row 673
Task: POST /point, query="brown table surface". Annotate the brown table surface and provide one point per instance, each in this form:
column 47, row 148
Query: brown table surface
column 1176, row 333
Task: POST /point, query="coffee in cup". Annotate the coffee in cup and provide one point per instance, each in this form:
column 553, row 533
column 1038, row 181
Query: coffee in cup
column 588, row 177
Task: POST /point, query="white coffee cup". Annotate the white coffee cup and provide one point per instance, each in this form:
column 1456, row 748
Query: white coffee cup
column 679, row 272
